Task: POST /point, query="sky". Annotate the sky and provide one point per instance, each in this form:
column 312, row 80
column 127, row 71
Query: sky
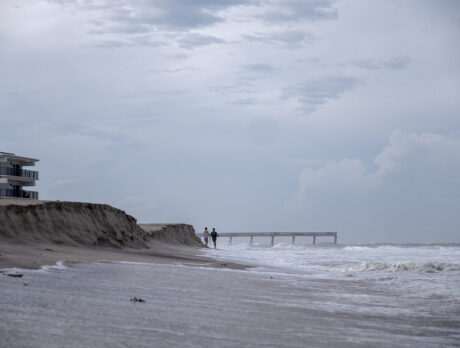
column 243, row 115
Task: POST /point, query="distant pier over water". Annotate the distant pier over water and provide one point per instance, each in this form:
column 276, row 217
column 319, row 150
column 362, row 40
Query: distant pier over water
column 293, row 235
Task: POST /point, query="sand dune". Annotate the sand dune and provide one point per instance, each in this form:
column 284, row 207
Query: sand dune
column 181, row 234
column 70, row 223
column 74, row 223
column 35, row 233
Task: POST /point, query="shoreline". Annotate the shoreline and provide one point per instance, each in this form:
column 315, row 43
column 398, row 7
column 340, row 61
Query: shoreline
column 38, row 233
column 34, row 256
column 35, row 233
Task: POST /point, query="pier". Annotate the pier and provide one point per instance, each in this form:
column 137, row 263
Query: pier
column 293, row 235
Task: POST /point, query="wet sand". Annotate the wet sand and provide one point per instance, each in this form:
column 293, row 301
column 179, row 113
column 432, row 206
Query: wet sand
column 33, row 256
column 89, row 305
column 88, row 301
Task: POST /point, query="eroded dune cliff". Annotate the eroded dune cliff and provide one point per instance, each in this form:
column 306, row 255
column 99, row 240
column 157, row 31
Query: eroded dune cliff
column 70, row 223
column 173, row 233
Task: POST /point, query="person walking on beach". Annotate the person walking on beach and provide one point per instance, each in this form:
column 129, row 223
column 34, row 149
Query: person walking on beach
column 206, row 236
column 214, row 236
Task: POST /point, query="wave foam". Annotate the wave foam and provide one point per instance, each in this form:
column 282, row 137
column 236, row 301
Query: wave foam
column 59, row 266
column 429, row 267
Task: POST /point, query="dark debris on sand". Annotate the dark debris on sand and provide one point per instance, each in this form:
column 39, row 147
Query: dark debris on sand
column 137, row 299
column 14, row 274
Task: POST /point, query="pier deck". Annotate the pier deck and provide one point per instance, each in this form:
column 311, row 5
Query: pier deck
column 252, row 235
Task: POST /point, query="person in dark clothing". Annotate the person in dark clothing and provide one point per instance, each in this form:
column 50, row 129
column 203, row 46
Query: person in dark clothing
column 214, row 236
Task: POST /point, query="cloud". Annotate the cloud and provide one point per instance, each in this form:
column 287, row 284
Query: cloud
column 298, row 10
column 345, row 174
column 145, row 16
column 395, row 63
column 174, row 70
column 258, row 67
column 352, row 173
column 287, row 38
column 429, row 147
column 243, row 101
column 317, row 92
column 146, row 22
column 191, row 41
column 410, row 193
column 367, row 64
column 131, row 41
column 177, row 80
column 264, row 130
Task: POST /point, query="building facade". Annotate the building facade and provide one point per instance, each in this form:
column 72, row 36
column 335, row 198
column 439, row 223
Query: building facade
column 13, row 176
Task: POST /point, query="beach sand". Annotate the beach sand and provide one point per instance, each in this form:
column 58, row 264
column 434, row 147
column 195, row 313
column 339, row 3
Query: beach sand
column 33, row 256
column 187, row 299
column 39, row 233
column 90, row 305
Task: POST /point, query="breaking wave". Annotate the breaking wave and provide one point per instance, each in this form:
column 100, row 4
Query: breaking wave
column 389, row 246
column 428, row 267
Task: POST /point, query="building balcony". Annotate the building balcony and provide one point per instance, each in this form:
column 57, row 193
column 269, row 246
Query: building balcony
column 22, row 173
column 12, row 193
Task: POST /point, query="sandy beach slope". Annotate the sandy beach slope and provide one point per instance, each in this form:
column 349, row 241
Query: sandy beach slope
column 37, row 233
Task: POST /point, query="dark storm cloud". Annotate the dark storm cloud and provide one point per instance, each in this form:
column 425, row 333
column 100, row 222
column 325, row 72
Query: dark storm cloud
column 316, row 92
column 298, row 11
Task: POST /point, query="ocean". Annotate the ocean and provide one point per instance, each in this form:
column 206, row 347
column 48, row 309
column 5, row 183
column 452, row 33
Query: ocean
column 419, row 282
column 293, row 296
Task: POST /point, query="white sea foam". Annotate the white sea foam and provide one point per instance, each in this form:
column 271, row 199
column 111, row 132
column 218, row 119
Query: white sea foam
column 12, row 270
column 326, row 261
column 429, row 267
column 59, row 266
column 356, row 247
column 127, row 262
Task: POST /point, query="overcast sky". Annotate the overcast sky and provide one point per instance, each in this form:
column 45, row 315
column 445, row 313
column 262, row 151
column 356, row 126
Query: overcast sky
column 244, row 115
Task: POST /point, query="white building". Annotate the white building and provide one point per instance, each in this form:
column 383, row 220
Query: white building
column 13, row 177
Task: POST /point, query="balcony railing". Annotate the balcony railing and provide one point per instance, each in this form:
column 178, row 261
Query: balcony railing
column 18, row 193
column 24, row 173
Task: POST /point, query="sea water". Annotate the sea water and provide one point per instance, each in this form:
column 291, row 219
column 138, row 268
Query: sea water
column 436, row 266
column 382, row 280
column 294, row 296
